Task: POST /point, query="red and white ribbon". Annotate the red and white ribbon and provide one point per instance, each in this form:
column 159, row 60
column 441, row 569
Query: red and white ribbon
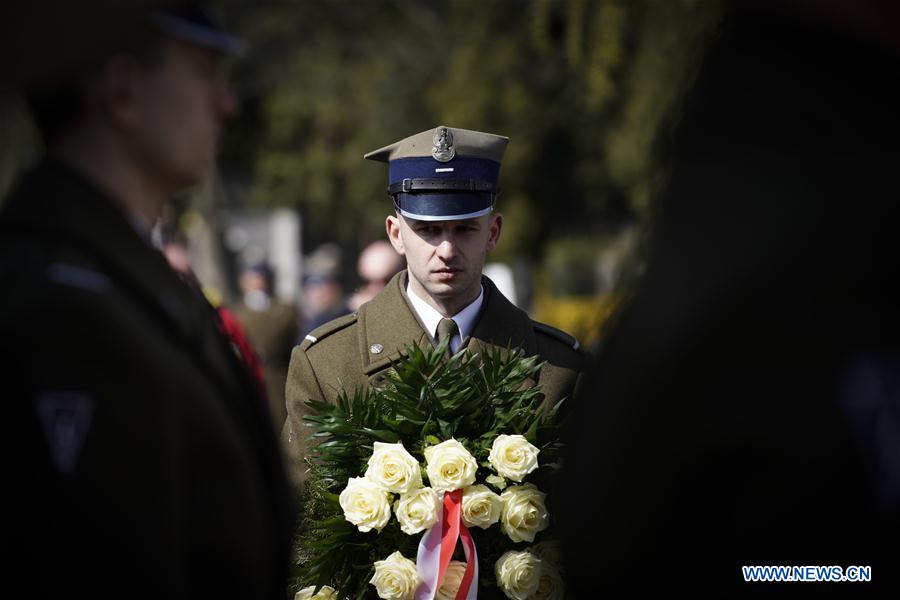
column 436, row 549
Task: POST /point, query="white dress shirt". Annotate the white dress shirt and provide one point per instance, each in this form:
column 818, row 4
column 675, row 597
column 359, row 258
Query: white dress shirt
column 430, row 317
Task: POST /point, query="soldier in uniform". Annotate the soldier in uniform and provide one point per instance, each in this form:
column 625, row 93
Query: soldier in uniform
column 139, row 459
column 444, row 185
column 271, row 327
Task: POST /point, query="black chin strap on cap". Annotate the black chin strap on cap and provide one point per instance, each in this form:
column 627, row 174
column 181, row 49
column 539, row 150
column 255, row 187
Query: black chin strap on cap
column 447, row 185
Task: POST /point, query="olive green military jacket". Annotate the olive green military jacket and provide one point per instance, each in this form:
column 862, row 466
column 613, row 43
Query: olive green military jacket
column 272, row 334
column 357, row 349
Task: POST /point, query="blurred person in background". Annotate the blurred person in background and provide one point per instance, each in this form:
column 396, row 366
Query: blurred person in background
column 745, row 408
column 323, row 297
column 377, row 264
column 138, row 457
column 271, row 326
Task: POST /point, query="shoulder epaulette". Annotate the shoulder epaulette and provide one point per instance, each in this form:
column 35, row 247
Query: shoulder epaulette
column 323, row 331
column 557, row 334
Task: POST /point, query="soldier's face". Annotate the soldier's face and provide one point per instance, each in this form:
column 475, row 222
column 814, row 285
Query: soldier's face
column 445, row 258
column 179, row 107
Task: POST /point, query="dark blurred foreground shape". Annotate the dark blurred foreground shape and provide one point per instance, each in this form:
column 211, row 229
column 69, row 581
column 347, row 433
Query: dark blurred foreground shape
column 138, row 457
column 745, row 409
column 44, row 40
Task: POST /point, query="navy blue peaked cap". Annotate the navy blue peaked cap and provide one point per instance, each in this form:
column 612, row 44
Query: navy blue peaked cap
column 444, row 174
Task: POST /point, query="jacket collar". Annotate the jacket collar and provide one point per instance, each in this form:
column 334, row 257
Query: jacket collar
column 55, row 199
column 389, row 322
column 501, row 324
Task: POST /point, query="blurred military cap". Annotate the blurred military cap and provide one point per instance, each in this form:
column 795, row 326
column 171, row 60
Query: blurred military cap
column 324, row 263
column 195, row 23
column 43, row 42
column 444, row 173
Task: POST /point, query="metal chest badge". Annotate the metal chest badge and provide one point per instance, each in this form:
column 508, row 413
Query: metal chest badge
column 443, row 150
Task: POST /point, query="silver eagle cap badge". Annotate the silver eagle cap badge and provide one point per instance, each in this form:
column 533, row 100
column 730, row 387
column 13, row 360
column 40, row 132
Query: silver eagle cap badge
column 443, row 150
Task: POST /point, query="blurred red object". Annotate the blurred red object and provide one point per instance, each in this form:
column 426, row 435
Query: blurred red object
column 232, row 328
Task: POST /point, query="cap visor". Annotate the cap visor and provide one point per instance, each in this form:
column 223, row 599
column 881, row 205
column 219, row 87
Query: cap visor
column 443, row 207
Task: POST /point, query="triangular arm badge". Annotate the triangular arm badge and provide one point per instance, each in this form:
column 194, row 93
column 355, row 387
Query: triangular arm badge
column 66, row 417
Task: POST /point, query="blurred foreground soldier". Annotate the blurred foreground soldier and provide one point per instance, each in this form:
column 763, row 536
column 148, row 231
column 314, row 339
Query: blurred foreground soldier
column 377, row 264
column 139, row 459
column 444, row 185
column 271, row 327
column 746, row 408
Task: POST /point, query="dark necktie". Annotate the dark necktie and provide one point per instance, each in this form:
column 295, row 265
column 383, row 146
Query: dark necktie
column 446, row 329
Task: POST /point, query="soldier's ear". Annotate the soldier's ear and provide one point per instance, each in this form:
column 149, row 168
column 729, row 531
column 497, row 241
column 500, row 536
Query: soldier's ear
column 116, row 90
column 494, row 227
column 392, row 225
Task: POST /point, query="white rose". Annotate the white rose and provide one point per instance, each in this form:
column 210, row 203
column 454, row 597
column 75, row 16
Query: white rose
column 453, row 576
column 550, row 585
column 395, row 578
column 524, row 512
column 480, row 506
column 393, row 468
column 326, row 593
column 513, row 457
column 450, row 466
column 365, row 504
column 417, row 510
column 518, row 574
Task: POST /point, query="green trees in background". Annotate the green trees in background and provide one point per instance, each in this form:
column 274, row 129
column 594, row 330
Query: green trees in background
column 586, row 90
column 583, row 88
